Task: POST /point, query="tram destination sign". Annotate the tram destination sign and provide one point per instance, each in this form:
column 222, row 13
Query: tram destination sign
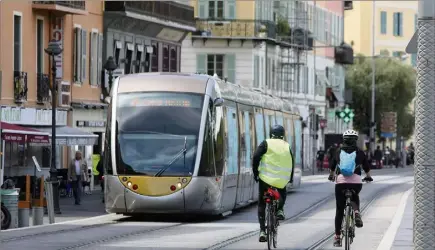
column 93, row 124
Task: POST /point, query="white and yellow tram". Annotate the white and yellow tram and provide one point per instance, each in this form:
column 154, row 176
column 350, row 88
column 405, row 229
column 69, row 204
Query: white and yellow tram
column 183, row 143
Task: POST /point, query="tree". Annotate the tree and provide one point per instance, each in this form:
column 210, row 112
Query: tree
column 395, row 89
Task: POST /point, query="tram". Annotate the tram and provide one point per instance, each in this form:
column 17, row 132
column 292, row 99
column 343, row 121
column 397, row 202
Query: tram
column 183, row 143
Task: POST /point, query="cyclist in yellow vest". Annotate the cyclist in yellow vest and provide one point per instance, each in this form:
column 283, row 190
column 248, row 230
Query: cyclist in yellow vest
column 273, row 165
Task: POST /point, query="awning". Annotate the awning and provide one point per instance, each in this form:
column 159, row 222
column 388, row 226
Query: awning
column 69, row 136
column 15, row 133
column 338, row 97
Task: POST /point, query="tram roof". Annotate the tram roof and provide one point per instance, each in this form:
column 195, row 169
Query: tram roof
column 197, row 83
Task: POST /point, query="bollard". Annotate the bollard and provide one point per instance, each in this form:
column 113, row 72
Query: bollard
column 10, row 201
column 23, row 217
column 49, row 197
column 37, row 216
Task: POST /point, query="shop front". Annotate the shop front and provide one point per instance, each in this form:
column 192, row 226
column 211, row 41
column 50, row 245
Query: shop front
column 90, row 118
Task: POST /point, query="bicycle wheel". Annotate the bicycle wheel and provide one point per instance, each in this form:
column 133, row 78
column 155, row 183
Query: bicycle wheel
column 275, row 229
column 347, row 217
column 269, row 226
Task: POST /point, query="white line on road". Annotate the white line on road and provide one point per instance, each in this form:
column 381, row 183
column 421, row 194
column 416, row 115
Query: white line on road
column 62, row 223
column 388, row 239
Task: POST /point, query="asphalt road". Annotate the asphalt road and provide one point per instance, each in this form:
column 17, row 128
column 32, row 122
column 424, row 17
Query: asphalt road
column 310, row 212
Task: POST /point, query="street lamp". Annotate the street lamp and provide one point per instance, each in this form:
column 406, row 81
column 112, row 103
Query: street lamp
column 53, row 50
column 110, row 66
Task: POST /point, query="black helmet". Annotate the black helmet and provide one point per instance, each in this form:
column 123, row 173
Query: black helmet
column 277, row 131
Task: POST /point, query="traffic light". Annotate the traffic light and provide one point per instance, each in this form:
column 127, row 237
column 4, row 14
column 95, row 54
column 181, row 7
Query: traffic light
column 347, row 115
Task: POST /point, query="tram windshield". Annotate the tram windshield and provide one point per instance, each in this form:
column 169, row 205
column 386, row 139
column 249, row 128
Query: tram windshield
column 157, row 133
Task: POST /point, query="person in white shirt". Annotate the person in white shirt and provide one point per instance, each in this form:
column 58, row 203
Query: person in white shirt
column 76, row 169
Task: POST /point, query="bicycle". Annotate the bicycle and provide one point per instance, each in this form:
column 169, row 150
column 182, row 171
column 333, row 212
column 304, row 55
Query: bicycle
column 271, row 197
column 348, row 226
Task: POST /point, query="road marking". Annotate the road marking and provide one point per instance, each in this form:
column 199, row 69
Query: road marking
column 61, row 223
column 388, row 239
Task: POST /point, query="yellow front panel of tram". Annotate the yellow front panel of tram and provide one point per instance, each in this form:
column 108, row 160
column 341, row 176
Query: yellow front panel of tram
column 154, row 186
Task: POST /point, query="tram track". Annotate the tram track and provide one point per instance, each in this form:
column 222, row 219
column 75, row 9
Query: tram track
column 300, row 215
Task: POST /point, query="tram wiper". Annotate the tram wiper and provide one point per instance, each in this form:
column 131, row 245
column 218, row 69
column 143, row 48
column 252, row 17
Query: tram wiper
column 177, row 156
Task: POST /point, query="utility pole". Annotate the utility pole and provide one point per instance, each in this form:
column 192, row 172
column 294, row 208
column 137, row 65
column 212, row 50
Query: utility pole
column 424, row 170
column 372, row 114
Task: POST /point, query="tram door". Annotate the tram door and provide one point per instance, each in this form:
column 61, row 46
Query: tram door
column 231, row 171
column 259, row 136
column 245, row 170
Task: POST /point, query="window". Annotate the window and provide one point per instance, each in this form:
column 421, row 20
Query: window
column 173, row 60
column 206, row 167
column 128, row 58
column 216, row 9
column 398, row 24
column 215, row 64
column 383, row 22
column 138, row 62
column 17, row 43
column 39, row 46
column 95, row 60
column 79, row 55
column 256, row 72
column 165, row 58
column 155, row 58
column 117, row 51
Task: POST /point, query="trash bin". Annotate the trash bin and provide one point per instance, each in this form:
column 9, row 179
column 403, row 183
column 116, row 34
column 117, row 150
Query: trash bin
column 10, row 201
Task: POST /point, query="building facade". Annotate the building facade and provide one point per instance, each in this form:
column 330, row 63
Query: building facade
column 268, row 45
column 395, row 24
column 25, row 97
column 146, row 36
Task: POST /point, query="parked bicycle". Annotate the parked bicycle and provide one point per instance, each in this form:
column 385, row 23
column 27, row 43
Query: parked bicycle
column 272, row 198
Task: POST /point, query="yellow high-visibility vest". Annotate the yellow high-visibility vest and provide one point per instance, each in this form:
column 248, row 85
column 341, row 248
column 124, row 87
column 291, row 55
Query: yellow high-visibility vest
column 276, row 164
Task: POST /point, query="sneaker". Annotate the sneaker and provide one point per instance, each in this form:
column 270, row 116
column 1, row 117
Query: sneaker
column 280, row 215
column 262, row 237
column 337, row 241
column 358, row 220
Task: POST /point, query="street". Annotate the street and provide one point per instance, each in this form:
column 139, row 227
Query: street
column 310, row 215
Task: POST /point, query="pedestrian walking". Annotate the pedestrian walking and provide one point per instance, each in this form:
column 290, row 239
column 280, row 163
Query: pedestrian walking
column 76, row 169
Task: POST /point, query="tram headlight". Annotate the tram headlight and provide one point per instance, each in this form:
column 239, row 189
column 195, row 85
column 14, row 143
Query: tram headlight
column 179, row 185
column 129, row 184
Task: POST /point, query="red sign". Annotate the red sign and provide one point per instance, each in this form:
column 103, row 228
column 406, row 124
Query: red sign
column 37, row 138
column 14, row 137
column 323, row 123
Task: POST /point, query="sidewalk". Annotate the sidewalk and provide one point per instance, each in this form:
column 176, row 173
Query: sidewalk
column 91, row 205
column 404, row 236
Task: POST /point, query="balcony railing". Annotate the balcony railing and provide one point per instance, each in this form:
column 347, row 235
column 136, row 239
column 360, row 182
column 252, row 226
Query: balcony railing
column 168, row 10
column 81, row 5
column 42, row 88
column 236, row 28
column 20, row 86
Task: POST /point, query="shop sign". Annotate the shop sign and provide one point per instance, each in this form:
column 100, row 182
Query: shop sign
column 57, row 36
column 37, row 139
column 93, row 124
column 32, row 116
column 76, row 141
column 14, row 137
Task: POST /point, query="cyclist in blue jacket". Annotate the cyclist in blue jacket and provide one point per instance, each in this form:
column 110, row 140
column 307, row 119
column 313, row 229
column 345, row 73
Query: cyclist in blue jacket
column 346, row 165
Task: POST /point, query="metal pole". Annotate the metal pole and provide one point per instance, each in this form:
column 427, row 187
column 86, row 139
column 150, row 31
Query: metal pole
column 53, row 170
column 372, row 120
column 424, row 173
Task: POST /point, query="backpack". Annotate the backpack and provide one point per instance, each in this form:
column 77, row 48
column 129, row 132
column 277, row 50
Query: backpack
column 347, row 163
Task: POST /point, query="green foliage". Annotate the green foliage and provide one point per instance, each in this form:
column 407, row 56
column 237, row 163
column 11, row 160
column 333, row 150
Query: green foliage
column 395, row 89
column 282, row 27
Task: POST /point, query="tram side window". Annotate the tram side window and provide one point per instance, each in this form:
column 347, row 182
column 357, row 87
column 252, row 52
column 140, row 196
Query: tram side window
column 206, row 168
column 219, row 142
